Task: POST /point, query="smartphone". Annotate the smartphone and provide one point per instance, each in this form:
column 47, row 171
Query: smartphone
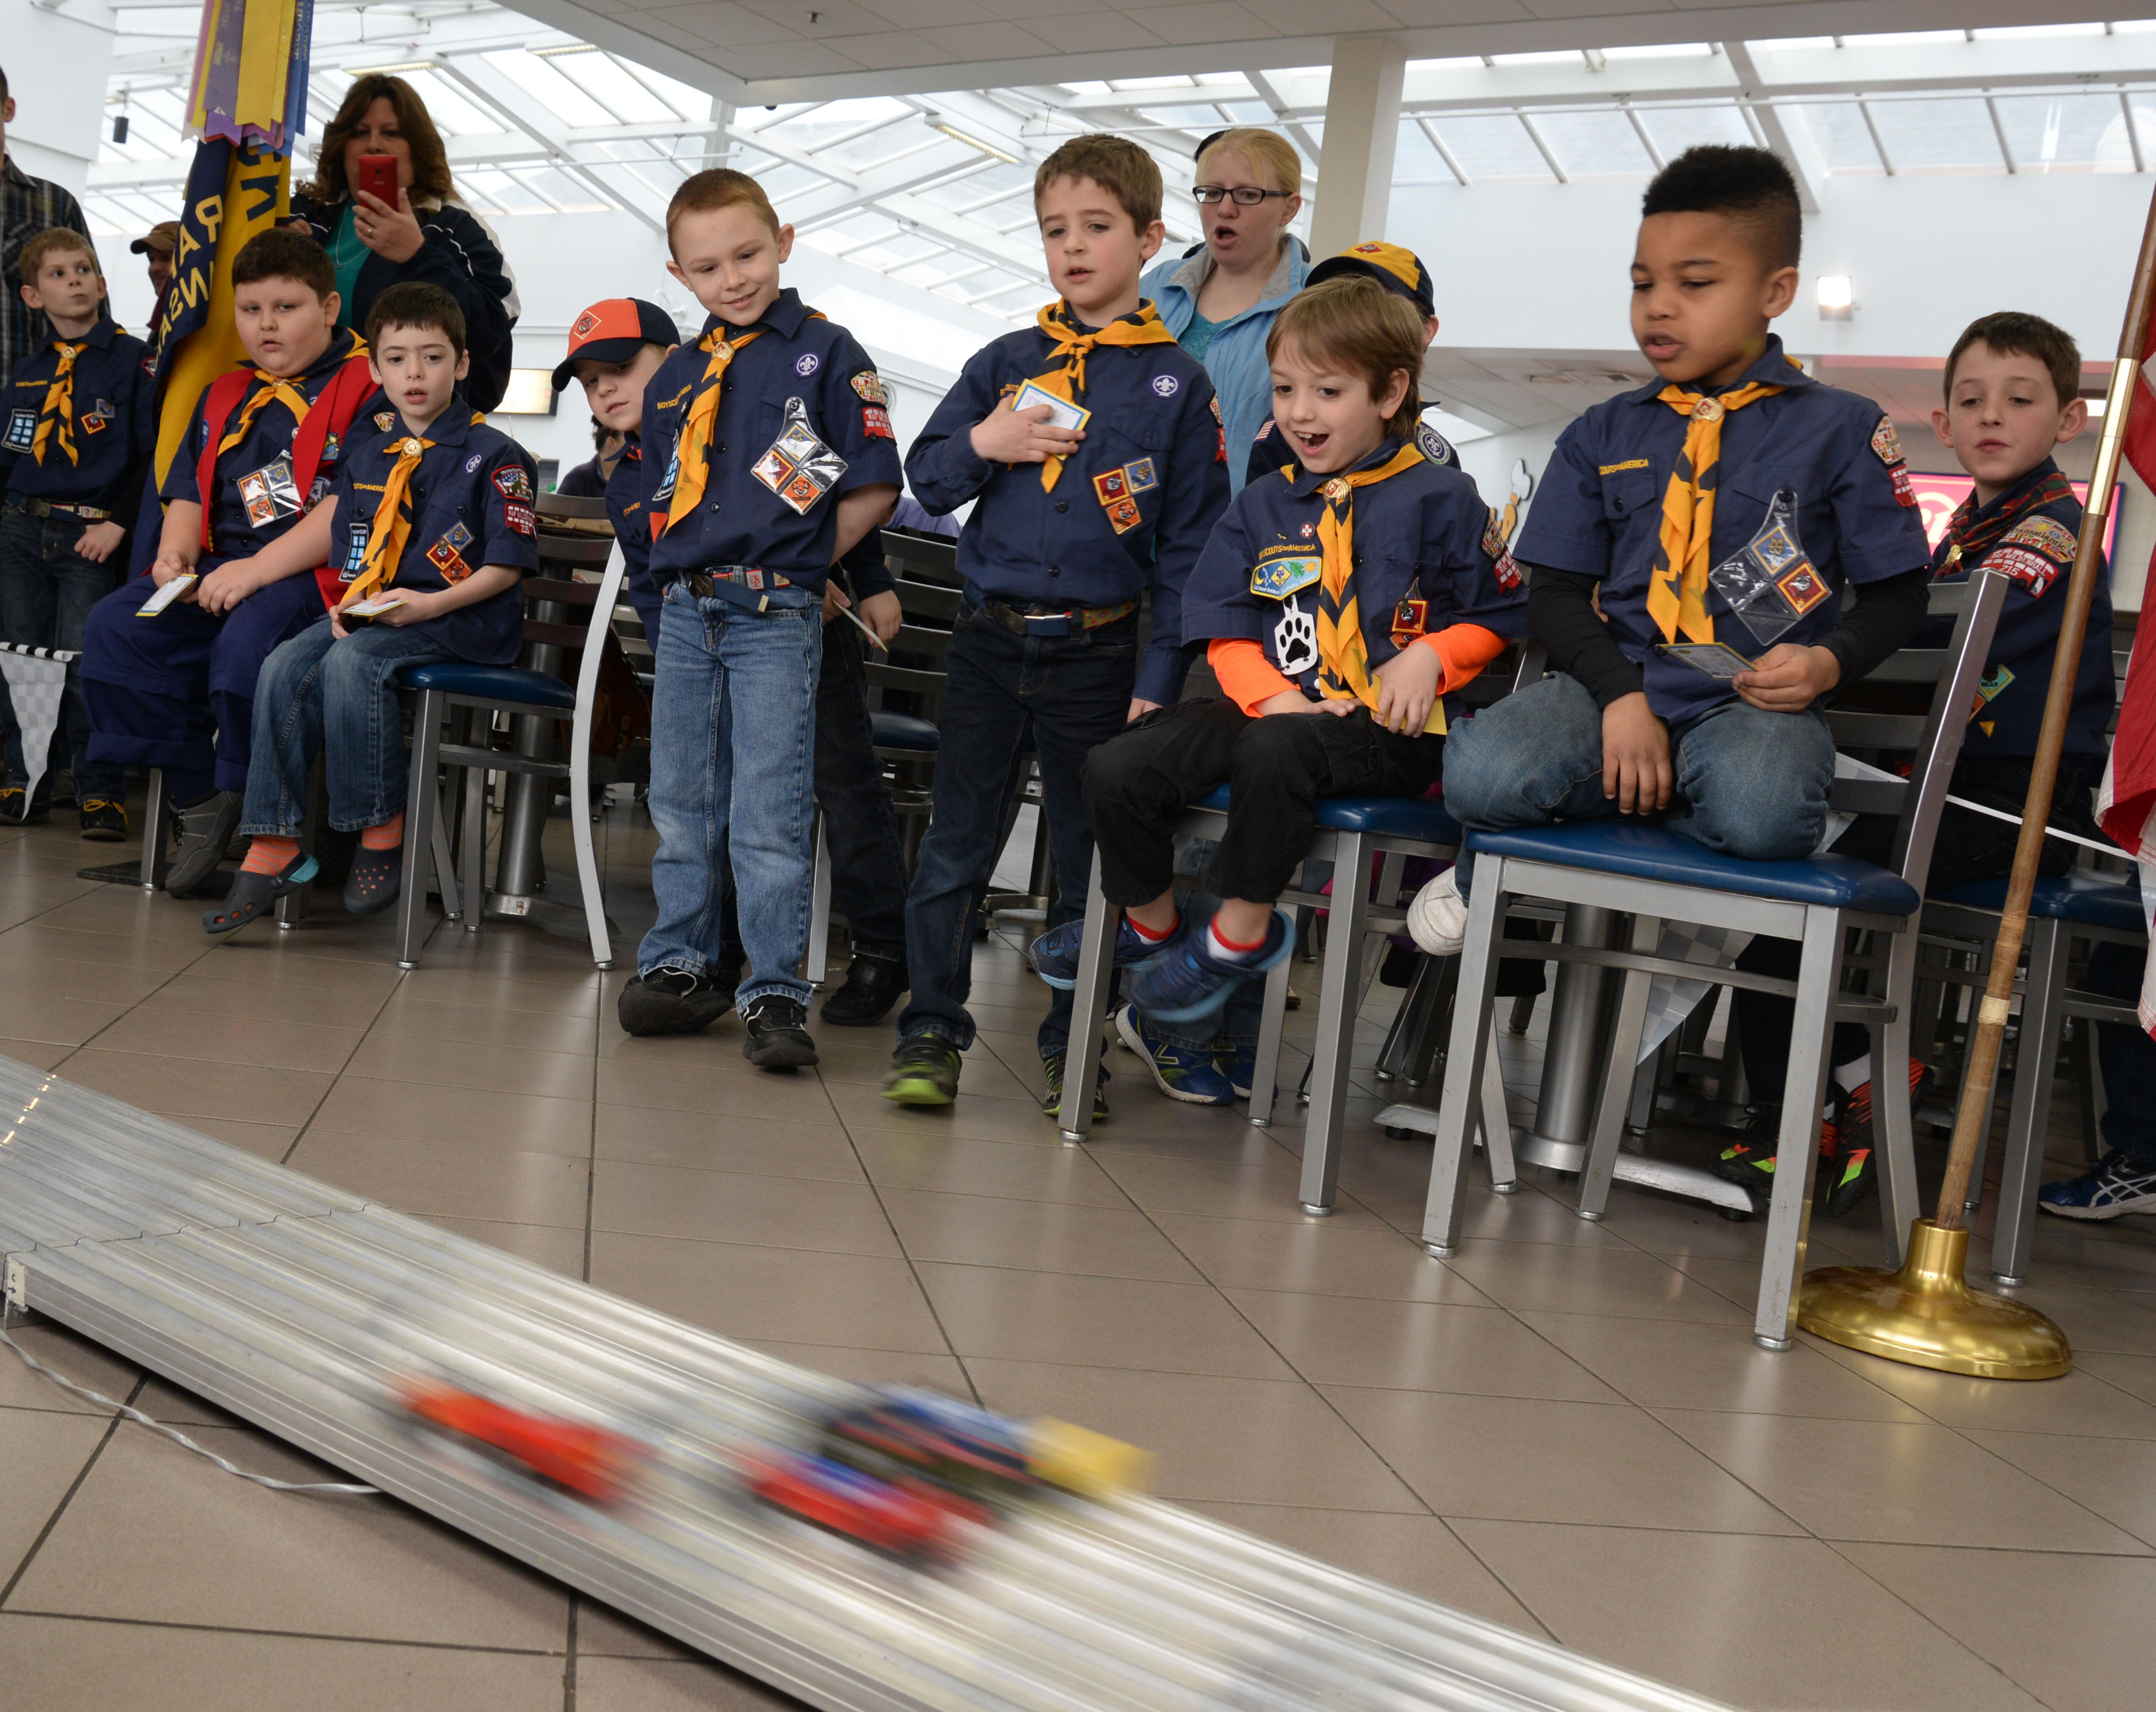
column 377, row 177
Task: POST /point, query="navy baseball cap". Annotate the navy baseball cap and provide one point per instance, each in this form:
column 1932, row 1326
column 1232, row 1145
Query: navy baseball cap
column 613, row 331
column 1399, row 271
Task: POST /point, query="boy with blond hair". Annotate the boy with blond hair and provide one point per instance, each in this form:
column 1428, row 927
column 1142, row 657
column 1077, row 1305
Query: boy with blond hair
column 767, row 456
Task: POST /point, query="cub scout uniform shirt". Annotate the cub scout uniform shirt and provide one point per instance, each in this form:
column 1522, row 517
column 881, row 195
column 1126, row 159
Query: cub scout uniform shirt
column 1424, row 556
column 251, row 506
column 624, row 508
column 1599, row 512
column 1131, row 509
column 470, row 505
column 109, row 408
column 1272, row 448
column 801, row 423
column 2029, row 532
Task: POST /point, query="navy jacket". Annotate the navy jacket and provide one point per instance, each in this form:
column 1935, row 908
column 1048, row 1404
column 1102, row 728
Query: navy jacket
column 800, row 360
column 1271, row 450
column 1598, row 512
column 2037, row 552
column 471, row 507
column 116, row 425
column 1154, row 436
column 1423, row 534
column 268, row 438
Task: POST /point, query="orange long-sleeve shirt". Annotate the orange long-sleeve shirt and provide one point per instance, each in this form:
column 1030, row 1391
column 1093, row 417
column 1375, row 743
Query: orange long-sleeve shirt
column 1247, row 678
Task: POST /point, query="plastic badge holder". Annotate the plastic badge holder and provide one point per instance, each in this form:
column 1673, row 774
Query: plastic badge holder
column 165, row 595
column 372, row 607
column 1772, row 582
column 1717, row 660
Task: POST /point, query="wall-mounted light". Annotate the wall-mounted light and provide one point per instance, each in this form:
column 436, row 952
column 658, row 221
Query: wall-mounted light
column 936, row 121
column 1837, row 298
column 2096, row 406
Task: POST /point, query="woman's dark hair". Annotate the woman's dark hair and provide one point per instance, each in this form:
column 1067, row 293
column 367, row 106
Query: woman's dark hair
column 430, row 162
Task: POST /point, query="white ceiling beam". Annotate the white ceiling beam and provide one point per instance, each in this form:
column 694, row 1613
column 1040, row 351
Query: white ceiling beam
column 1793, row 143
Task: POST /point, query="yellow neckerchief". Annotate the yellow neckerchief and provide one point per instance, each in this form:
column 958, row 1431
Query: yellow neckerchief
column 393, row 523
column 692, row 451
column 57, row 411
column 1343, row 657
column 1676, row 591
column 272, row 386
column 1073, row 345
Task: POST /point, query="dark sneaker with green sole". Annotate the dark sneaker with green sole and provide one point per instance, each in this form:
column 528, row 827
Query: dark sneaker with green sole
column 924, row 1072
column 1052, row 1096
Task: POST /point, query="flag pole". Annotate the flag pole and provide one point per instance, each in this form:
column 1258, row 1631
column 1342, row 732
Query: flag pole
column 1925, row 1313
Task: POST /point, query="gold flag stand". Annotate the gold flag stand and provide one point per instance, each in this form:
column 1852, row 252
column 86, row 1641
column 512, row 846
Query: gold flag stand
column 1925, row 1313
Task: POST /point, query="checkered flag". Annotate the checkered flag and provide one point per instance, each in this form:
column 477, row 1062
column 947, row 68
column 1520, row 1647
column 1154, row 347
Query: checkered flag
column 37, row 688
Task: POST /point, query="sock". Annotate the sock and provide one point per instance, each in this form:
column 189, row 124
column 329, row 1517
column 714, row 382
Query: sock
column 270, row 855
column 1852, row 1075
column 389, row 835
column 1148, row 935
column 1223, row 950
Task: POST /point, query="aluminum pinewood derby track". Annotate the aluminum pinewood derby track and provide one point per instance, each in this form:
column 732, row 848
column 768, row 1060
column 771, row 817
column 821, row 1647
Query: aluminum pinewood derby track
column 297, row 1305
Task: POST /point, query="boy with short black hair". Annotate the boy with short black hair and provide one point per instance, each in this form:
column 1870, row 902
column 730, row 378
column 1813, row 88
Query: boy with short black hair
column 81, row 422
column 1092, row 446
column 767, row 457
column 428, row 529
column 176, row 690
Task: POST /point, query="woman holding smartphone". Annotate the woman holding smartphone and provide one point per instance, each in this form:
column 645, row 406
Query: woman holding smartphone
column 382, row 205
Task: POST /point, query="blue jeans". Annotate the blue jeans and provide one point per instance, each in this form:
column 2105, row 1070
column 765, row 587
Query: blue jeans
column 1003, row 695
column 733, row 721
column 1756, row 782
column 336, row 698
column 46, row 592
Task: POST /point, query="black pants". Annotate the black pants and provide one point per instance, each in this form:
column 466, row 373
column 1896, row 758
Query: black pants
column 1969, row 847
column 1275, row 767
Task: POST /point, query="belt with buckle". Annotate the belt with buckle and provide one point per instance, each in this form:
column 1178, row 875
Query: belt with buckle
column 47, row 508
column 737, row 585
column 1057, row 621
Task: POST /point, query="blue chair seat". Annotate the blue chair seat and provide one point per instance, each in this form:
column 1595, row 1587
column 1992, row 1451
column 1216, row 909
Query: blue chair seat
column 1383, row 816
column 1654, row 853
column 2092, row 900
column 499, row 683
column 902, row 731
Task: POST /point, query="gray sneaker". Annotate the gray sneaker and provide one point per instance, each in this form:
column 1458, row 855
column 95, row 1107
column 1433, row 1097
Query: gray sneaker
column 206, row 828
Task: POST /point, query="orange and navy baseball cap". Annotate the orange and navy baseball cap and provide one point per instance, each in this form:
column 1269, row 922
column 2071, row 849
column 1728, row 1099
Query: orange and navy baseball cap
column 613, row 331
column 1398, row 270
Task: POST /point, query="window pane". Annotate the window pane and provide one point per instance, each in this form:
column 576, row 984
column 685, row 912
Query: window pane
column 1592, row 146
column 2074, row 133
column 1839, row 133
column 1951, row 135
column 1676, row 129
column 1495, row 149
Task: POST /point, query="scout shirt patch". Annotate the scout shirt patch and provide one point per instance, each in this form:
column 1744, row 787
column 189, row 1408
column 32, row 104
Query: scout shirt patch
column 21, row 431
column 517, row 516
column 798, row 466
column 1506, row 571
column 1166, row 386
column 1410, row 619
column 875, row 423
column 1887, row 444
column 445, row 557
column 1141, row 476
column 1802, row 586
column 1111, row 487
column 1493, row 537
column 2048, row 536
column 511, row 482
column 94, row 420
column 869, row 387
column 1432, row 444
column 1295, row 641
column 270, row 492
column 355, row 552
column 2031, row 570
column 385, row 419
column 1282, row 571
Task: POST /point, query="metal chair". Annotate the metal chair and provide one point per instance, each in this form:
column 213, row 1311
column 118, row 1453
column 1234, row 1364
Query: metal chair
column 1653, row 874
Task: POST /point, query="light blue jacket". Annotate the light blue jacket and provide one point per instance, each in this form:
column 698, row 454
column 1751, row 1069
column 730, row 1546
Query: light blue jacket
column 1241, row 381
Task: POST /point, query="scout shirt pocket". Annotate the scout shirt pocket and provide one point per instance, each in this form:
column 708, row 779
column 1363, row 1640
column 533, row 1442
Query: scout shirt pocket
column 1629, row 488
column 1134, row 441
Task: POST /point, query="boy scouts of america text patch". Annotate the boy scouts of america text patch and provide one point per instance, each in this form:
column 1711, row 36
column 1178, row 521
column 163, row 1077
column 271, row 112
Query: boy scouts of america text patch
column 1280, row 571
column 2047, row 535
column 510, row 481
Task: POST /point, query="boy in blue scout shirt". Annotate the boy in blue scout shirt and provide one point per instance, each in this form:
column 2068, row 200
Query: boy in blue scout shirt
column 1341, row 604
column 177, row 690
column 81, row 420
column 767, row 457
column 1399, row 271
column 1091, row 448
column 428, row 529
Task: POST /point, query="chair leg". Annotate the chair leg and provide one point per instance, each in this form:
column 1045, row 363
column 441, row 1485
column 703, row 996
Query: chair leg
column 1894, row 1130
column 819, row 908
column 1097, row 967
column 445, row 864
column 423, row 832
column 1497, row 1125
column 1464, row 1057
column 580, row 841
column 1425, row 1047
column 1337, row 1010
column 155, row 812
column 474, row 884
column 1620, row 1076
column 1788, row 1223
column 2035, row 1071
column 2088, row 1075
column 1264, row 1072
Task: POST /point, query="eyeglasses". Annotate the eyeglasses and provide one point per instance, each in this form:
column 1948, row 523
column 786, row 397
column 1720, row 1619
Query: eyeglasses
column 1247, row 196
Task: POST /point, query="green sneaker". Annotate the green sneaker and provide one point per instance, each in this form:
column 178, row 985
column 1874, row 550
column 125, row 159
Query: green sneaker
column 924, row 1072
column 1052, row 1096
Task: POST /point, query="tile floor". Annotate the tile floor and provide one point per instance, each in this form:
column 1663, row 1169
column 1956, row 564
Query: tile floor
column 1566, row 1429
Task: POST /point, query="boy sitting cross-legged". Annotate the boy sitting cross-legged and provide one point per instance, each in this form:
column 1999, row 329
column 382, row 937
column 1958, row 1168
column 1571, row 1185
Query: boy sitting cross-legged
column 429, row 530
column 1342, row 602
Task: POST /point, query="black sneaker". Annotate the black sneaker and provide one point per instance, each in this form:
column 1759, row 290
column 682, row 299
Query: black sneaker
column 672, row 1002
column 1750, row 1162
column 873, row 985
column 104, row 821
column 1854, row 1167
column 1052, row 1096
column 778, row 1034
column 924, row 1072
column 206, row 826
column 16, row 807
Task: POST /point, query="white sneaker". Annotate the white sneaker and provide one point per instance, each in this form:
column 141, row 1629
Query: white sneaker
column 1437, row 918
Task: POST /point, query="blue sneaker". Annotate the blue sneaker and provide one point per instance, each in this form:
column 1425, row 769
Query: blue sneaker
column 1177, row 1072
column 1240, row 1067
column 1182, row 983
column 2118, row 1186
column 1055, row 955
